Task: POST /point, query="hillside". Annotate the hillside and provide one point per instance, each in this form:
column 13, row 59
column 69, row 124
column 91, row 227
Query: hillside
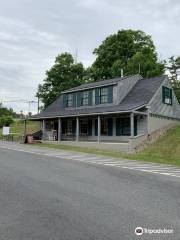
column 165, row 150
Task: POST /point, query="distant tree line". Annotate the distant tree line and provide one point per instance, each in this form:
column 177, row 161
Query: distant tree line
column 4, row 111
column 130, row 50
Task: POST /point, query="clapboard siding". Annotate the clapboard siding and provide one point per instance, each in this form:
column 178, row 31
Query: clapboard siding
column 158, row 107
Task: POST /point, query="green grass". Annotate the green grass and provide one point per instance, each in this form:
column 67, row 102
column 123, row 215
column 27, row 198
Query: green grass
column 17, row 128
column 166, row 150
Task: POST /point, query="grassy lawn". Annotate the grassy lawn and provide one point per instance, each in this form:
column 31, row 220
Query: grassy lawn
column 17, row 128
column 166, row 150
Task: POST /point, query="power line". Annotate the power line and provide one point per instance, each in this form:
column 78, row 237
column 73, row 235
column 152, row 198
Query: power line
column 29, row 102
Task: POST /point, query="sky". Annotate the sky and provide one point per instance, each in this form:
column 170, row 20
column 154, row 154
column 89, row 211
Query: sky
column 33, row 33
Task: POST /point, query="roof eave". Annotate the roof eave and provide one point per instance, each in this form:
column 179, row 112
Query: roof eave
column 90, row 114
column 87, row 88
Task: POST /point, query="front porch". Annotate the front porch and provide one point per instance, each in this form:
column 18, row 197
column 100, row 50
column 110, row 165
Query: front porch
column 107, row 130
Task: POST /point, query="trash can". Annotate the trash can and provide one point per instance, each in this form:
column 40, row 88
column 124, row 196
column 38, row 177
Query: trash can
column 29, row 138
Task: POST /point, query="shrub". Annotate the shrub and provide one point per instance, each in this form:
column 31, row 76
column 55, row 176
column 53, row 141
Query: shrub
column 6, row 121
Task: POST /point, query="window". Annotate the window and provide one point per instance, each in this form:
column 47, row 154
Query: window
column 104, row 95
column 69, row 102
column 167, row 95
column 69, row 127
column 84, row 127
column 104, row 127
column 123, row 127
column 85, row 98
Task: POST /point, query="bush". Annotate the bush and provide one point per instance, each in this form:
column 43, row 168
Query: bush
column 6, row 121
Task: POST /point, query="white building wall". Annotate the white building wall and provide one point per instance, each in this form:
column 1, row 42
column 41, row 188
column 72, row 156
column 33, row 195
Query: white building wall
column 142, row 124
column 156, row 123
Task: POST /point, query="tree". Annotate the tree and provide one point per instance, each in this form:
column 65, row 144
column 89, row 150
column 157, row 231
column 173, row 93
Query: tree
column 7, row 112
column 64, row 74
column 145, row 63
column 6, row 121
column 174, row 70
column 131, row 50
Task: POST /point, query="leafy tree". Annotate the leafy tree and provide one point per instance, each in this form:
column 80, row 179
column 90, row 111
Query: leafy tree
column 7, row 112
column 174, row 70
column 64, row 74
column 145, row 63
column 127, row 49
column 6, row 121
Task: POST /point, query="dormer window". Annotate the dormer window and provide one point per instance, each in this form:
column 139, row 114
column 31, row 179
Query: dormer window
column 104, row 95
column 69, row 102
column 85, row 98
column 167, row 95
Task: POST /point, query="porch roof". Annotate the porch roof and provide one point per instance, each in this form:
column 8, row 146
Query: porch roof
column 138, row 97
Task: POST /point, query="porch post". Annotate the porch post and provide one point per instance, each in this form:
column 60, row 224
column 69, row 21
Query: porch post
column 43, row 129
column 148, row 119
column 59, row 129
column 77, row 129
column 132, row 124
column 99, row 128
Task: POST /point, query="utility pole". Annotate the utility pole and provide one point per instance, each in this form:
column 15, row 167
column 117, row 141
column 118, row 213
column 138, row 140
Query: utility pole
column 38, row 104
column 25, row 128
column 139, row 68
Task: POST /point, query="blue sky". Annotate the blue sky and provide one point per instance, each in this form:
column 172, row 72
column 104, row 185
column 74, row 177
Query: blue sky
column 33, row 32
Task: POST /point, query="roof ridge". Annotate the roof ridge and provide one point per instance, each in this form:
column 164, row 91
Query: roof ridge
column 105, row 81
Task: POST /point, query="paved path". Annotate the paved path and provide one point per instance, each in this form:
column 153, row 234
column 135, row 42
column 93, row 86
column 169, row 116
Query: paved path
column 97, row 159
column 44, row 196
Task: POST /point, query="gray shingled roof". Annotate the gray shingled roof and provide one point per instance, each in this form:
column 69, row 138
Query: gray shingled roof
column 98, row 83
column 140, row 95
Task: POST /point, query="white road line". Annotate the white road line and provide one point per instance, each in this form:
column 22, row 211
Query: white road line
column 158, row 168
column 94, row 162
column 153, row 169
column 123, row 164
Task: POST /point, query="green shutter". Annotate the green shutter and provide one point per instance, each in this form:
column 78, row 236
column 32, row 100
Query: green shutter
column 74, row 99
column 78, row 99
column 135, row 126
column 171, row 96
column 97, row 96
column 90, row 98
column 64, row 100
column 110, row 94
column 163, row 94
column 90, row 127
column 74, row 127
column 63, row 126
column 96, row 127
column 110, row 126
column 119, row 127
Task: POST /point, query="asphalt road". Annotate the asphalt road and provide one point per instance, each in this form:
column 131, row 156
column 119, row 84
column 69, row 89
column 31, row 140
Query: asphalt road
column 45, row 198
